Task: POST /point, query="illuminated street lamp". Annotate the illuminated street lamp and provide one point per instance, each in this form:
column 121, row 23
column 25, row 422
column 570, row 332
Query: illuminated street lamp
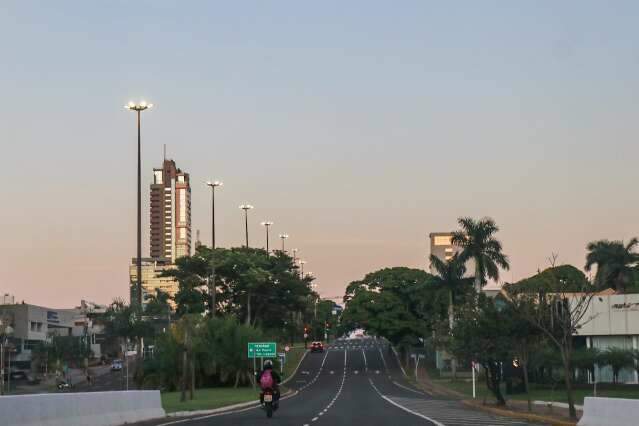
column 302, row 263
column 138, row 108
column 212, row 289
column 246, row 208
column 283, row 237
column 295, row 255
column 267, row 224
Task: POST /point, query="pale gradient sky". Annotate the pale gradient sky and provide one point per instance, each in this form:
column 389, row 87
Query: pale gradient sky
column 357, row 127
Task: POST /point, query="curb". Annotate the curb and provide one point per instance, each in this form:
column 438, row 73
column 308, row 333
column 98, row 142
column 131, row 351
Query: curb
column 195, row 413
column 518, row 415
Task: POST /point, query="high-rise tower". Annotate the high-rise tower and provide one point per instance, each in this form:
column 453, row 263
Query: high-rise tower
column 170, row 213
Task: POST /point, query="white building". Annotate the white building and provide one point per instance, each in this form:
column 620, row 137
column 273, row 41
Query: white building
column 7, row 299
column 612, row 321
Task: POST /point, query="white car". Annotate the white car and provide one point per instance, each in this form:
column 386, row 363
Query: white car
column 116, row 365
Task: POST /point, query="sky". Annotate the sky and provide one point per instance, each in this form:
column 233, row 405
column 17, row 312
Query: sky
column 356, row 127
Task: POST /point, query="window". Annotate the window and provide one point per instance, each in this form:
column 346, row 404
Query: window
column 442, row 240
column 181, row 178
column 183, row 233
column 157, row 176
column 182, row 205
column 448, row 250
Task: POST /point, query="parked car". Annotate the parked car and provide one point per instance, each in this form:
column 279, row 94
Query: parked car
column 317, row 347
column 116, row 365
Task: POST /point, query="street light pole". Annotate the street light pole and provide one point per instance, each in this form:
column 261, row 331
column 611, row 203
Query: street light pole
column 212, row 289
column 283, row 237
column 138, row 108
column 267, row 225
column 246, row 208
column 302, row 263
column 295, row 255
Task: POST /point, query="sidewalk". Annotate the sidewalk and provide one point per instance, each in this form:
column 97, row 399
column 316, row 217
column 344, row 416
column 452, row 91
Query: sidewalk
column 551, row 414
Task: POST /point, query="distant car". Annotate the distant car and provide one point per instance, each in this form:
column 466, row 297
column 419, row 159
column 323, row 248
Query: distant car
column 317, row 347
column 116, row 365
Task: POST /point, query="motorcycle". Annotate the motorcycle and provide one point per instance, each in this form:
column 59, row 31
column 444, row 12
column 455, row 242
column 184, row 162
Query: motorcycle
column 63, row 386
column 269, row 401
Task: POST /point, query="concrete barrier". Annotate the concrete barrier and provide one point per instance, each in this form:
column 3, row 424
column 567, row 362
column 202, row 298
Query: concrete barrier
column 610, row 412
column 80, row 409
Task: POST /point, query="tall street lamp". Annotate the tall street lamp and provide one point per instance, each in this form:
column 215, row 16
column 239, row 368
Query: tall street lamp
column 213, row 185
column 246, row 208
column 283, row 237
column 302, row 263
column 138, row 108
column 267, row 225
column 212, row 289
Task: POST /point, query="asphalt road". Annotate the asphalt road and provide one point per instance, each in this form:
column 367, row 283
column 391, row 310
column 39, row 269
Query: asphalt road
column 354, row 382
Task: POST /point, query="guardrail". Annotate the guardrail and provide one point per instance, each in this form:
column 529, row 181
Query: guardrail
column 80, row 409
column 610, row 412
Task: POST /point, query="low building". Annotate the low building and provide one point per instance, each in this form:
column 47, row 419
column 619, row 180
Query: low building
column 33, row 325
column 612, row 320
column 7, row 299
column 152, row 279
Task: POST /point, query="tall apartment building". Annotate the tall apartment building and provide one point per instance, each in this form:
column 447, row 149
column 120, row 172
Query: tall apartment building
column 170, row 213
column 152, row 279
column 441, row 246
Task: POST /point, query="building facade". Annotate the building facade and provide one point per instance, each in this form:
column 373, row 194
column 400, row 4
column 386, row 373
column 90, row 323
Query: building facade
column 612, row 321
column 152, row 279
column 170, row 213
column 7, row 299
column 33, row 325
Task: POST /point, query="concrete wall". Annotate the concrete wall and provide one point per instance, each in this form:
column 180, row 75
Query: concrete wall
column 610, row 412
column 80, row 409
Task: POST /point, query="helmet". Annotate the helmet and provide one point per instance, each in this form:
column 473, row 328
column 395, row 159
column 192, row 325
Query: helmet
column 268, row 364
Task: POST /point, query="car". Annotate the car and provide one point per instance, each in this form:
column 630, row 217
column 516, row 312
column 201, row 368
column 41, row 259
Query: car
column 116, row 365
column 317, row 347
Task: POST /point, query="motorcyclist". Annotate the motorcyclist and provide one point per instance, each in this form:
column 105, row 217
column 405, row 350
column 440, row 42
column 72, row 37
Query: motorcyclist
column 268, row 369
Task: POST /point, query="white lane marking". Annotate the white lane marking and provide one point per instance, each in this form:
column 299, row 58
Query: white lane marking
column 407, row 388
column 317, row 375
column 365, row 364
column 376, row 371
column 332, row 372
column 435, row 422
column 339, row 391
column 383, row 360
column 314, row 418
column 398, row 361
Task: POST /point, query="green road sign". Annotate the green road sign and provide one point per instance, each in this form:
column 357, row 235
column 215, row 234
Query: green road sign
column 262, row 350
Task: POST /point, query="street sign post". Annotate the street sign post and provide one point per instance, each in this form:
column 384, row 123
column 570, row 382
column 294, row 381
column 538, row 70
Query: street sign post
column 262, row 350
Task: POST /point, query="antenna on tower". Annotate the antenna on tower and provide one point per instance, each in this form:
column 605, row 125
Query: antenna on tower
column 164, row 152
column 198, row 243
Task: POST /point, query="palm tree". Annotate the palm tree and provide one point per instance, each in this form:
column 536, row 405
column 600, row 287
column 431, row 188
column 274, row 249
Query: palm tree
column 478, row 243
column 450, row 276
column 615, row 262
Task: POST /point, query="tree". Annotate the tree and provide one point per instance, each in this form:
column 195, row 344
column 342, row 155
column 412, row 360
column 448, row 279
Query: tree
column 481, row 333
column 158, row 304
column 617, row 358
column 477, row 240
column 615, row 262
column 550, row 303
column 450, row 278
column 586, row 359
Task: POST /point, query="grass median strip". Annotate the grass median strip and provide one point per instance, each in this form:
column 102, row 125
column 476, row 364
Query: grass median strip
column 542, row 393
column 208, row 399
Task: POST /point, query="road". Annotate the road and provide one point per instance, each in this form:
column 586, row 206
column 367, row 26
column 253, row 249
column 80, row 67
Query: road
column 353, row 382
